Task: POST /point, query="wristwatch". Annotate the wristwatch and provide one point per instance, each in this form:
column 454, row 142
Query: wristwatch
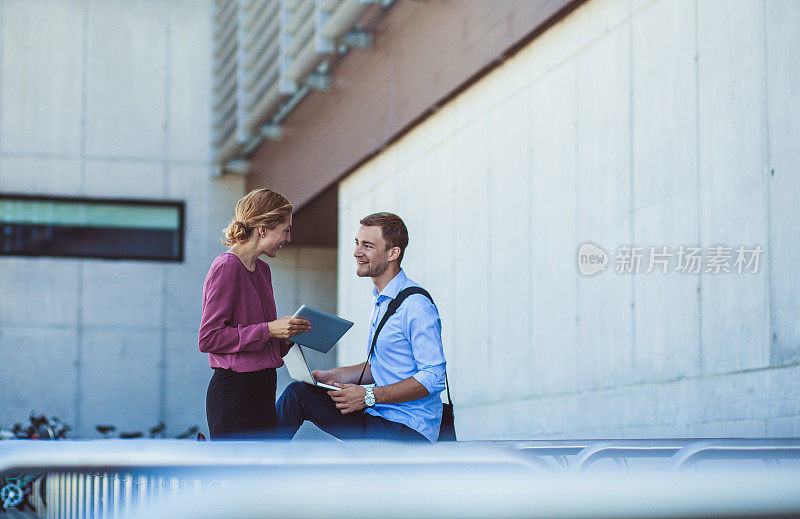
column 369, row 398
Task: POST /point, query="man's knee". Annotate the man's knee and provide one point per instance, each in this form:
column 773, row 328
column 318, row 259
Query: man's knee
column 289, row 409
column 295, row 388
column 294, row 392
column 300, row 394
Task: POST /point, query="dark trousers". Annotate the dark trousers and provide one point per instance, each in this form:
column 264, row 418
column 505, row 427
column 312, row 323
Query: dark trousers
column 301, row 402
column 241, row 406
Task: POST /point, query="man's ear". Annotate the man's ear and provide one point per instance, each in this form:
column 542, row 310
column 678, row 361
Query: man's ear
column 394, row 253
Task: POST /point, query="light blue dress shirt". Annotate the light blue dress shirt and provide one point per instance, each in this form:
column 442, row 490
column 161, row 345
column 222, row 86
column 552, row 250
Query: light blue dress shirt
column 409, row 345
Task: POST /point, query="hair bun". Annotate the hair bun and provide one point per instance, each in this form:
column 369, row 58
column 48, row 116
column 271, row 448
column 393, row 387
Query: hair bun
column 260, row 207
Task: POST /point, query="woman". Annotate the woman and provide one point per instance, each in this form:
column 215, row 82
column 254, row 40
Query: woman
column 239, row 329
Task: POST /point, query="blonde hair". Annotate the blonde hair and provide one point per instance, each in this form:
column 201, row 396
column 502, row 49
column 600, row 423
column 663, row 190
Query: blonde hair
column 258, row 208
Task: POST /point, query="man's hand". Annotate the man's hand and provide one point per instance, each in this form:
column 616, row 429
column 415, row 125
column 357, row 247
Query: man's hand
column 325, row 377
column 349, row 399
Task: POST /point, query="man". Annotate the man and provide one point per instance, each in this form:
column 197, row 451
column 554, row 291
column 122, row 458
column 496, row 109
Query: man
column 407, row 366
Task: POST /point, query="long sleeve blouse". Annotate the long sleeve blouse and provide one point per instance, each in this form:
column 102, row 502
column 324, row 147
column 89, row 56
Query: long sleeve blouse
column 237, row 305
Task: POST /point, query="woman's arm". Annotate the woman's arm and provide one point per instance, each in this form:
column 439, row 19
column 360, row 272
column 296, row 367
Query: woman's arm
column 217, row 334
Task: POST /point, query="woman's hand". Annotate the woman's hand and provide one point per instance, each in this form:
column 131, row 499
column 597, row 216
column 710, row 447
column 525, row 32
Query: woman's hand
column 288, row 326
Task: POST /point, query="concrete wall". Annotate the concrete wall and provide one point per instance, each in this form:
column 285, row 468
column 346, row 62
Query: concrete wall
column 111, row 99
column 657, row 123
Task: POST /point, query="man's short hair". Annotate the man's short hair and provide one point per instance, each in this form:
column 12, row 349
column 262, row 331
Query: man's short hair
column 393, row 230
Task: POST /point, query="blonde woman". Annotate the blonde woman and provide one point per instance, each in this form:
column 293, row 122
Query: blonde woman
column 240, row 330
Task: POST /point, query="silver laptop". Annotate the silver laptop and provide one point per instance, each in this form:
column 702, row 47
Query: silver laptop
column 298, row 368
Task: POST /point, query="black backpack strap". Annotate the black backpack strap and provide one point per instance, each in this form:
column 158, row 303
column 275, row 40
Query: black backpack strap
column 394, row 304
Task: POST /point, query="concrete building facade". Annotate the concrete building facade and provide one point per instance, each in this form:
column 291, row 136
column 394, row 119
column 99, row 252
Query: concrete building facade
column 112, row 100
column 107, row 99
column 652, row 123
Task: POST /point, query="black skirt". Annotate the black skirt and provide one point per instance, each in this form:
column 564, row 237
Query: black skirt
column 241, row 406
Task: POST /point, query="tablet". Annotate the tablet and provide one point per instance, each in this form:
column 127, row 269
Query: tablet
column 326, row 329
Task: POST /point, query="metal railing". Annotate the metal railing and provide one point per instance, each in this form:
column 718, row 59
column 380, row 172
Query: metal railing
column 769, row 451
column 673, row 454
column 108, row 494
column 114, row 478
column 117, row 478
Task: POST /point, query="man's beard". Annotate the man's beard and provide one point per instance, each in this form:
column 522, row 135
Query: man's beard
column 373, row 271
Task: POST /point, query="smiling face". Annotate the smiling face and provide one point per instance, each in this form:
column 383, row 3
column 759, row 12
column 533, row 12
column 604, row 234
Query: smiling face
column 271, row 240
column 371, row 252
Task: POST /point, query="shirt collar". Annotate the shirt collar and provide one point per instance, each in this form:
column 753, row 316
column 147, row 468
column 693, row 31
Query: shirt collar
column 392, row 288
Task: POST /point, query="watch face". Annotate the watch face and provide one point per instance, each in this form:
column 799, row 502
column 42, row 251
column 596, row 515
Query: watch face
column 369, row 398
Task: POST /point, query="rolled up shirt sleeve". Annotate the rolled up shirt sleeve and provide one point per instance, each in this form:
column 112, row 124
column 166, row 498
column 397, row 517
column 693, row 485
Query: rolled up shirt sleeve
column 424, row 329
column 217, row 334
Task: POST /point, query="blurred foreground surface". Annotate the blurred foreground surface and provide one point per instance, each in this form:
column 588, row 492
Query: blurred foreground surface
column 568, row 478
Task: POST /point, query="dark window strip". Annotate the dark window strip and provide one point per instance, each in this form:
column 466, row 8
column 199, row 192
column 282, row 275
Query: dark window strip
column 91, row 242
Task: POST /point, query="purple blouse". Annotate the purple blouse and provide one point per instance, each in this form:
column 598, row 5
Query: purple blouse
column 237, row 305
